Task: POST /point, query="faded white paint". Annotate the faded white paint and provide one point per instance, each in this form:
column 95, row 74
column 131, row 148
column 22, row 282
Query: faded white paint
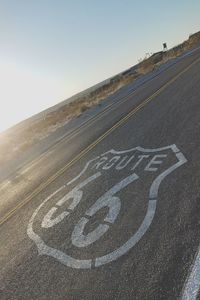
column 154, row 162
column 108, row 199
column 124, row 162
column 192, row 285
column 79, row 239
column 111, row 163
column 76, row 194
column 141, row 157
column 133, row 240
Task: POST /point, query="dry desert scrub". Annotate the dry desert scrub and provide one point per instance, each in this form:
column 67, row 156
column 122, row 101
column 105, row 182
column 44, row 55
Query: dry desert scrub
column 24, row 135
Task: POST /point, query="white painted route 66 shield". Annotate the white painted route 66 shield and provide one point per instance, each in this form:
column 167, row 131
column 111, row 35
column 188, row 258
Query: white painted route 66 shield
column 104, row 211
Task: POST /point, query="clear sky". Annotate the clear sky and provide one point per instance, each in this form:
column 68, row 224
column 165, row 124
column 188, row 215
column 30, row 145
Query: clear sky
column 50, row 50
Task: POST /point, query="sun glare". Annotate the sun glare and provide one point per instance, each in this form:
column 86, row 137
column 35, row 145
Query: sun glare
column 24, row 93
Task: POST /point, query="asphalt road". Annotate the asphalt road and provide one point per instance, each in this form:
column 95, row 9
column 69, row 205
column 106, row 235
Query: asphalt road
column 112, row 212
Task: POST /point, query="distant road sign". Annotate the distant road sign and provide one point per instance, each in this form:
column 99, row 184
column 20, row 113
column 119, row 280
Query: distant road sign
column 164, row 46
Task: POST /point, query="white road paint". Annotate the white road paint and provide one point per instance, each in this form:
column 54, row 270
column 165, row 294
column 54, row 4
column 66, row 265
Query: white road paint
column 133, row 240
column 112, row 162
column 83, row 171
column 76, row 194
column 43, row 249
column 154, row 161
column 141, row 157
column 141, row 149
column 192, row 285
column 112, row 151
column 156, row 183
column 49, row 222
column 124, row 162
column 108, row 199
column 80, row 240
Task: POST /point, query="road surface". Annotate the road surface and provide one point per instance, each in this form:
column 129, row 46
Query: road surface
column 112, row 212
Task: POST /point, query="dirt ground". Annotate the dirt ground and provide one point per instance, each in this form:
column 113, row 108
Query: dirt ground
column 31, row 131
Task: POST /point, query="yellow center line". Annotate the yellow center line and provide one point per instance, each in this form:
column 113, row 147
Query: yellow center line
column 43, row 185
column 76, row 131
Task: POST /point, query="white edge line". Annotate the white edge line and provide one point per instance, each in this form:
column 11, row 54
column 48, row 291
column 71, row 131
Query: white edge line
column 192, row 284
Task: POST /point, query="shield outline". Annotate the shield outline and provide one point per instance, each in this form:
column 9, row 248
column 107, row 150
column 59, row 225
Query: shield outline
column 69, row 261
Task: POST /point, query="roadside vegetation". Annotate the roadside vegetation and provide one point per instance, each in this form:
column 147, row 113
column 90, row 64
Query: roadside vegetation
column 31, row 131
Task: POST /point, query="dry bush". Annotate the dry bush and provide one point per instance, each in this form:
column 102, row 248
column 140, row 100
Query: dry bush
column 22, row 137
column 145, row 66
column 193, row 40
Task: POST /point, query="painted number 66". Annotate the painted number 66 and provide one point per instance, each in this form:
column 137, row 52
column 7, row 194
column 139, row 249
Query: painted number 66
column 79, row 239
